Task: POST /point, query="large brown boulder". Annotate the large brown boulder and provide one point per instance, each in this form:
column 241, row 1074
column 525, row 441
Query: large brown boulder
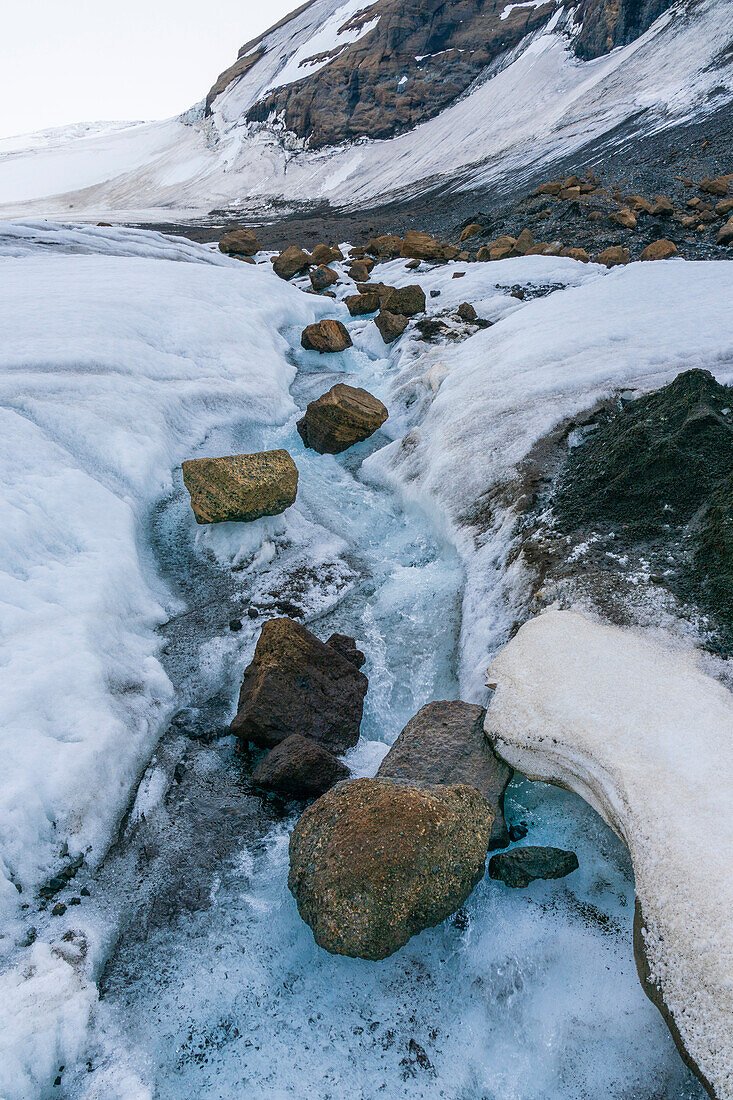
column 299, row 684
column 291, row 262
column 374, row 862
column 613, row 256
column 421, row 246
column 322, row 254
column 323, row 277
column 298, row 768
column 239, row 242
column 718, row 186
column 624, row 218
column 405, row 300
column 472, row 230
column 325, row 336
column 662, row 207
column 725, row 236
column 386, row 247
column 360, row 270
column 240, row 488
column 390, row 325
column 445, row 743
column 359, row 305
column 497, row 249
column 340, row 418
column 659, row 250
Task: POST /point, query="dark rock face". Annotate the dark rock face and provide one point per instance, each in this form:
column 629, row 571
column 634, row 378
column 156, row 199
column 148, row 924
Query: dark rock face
column 325, row 336
column 610, row 23
column 445, row 743
column 340, row 418
column 374, row 862
column 298, row 768
column 298, row 684
column 523, row 865
column 240, row 488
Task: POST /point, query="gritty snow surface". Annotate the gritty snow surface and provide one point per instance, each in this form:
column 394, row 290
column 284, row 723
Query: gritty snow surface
column 645, row 736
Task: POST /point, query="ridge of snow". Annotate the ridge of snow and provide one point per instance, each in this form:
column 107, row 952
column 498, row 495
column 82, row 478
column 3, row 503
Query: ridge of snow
column 646, row 738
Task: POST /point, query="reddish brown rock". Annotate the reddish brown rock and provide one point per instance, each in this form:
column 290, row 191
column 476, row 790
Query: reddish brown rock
column 390, row 325
column 613, row 256
column 298, row 684
column 293, row 261
column 554, row 187
column 724, row 208
column 239, row 242
column 386, row 247
column 405, row 300
column 298, row 768
column 325, row 336
column 624, row 218
column 466, row 312
column 323, row 254
column 472, row 230
column 340, row 418
column 240, row 488
column 359, row 305
column 421, row 246
column 725, row 236
column 575, row 254
column 662, row 207
column 523, row 243
column 718, row 186
column 445, row 743
column 659, row 250
column 373, row 862
column 323, row 277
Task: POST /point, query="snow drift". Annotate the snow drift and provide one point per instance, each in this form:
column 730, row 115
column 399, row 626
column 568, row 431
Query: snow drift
column 646, row 737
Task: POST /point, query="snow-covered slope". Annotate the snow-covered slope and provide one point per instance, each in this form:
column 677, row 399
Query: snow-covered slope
column 646, row 737
column 539, row 102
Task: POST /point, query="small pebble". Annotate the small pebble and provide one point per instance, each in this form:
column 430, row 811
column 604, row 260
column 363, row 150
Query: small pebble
column 85, row 892
column 75, row 901
column 235, row 625
column 434, row 293
column 517, row 832
column 58, row 910
column 253, row 612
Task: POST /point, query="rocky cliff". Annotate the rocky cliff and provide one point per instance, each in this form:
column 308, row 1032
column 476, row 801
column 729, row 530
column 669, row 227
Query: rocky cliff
column 391, row 64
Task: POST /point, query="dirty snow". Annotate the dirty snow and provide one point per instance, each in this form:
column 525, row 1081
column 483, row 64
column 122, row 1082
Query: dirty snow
column 646, row 737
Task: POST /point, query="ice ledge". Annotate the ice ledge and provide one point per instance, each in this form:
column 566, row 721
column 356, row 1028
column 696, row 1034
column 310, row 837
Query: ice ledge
column 646, row 737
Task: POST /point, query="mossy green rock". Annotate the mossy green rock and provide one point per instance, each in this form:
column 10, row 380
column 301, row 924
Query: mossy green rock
column 241, row 487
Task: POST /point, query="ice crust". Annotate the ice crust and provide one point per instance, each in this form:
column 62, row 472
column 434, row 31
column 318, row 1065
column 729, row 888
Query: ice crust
column 645, row 736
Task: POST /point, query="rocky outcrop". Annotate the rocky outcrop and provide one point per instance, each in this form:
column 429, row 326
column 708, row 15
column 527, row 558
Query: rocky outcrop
column 340, row 418
column 523, row 865
column 239, row 242
column 373, row 862
column 444, row 744
column 326, row 336
column 606, row 24
column 298, row 684
column 298, row 768
column 240, row 488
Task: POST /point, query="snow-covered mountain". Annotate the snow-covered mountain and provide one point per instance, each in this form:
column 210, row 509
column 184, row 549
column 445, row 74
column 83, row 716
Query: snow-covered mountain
column 355, row 103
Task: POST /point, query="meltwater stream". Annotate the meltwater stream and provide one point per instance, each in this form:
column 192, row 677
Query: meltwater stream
column 522, row 995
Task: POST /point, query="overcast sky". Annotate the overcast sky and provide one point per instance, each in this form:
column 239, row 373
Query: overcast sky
column 65, row 61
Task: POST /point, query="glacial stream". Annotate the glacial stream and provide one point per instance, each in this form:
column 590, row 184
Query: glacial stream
column 215, row 987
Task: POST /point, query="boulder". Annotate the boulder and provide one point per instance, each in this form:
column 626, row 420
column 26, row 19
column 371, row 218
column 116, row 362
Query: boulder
column 405, row 300
column 662, row 207
column 359, row 305
column 323, row 255
column 576, row 254
column 724, row 208
column 390, row 325
column 374, row 862
column 386, row 247
column 554, row 187
column 725, row 236
column 613, row 256
column 466, row 312
column 359, row 271
column 624, row 218
column 421, row 246
column 325, row 336
column 659, row 250
column 239, row 242
column 375, row 288
column 240, row 488
column 340, row 418
column 445, row 744
column 298, row 768
column 472, row 230
column 497, row 250
column 718, row 186
column 291, row 262
column 299, row 684
column 639, row 204
column 523, row 865
column 570, row 192
column 523, row 243
column 323, row 277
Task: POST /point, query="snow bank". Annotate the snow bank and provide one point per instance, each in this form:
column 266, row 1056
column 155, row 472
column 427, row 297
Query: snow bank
column 112, row 370
column 492, row 397
column 647, row 738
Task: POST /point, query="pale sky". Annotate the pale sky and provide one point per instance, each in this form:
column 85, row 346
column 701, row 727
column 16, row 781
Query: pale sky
column 64, row 61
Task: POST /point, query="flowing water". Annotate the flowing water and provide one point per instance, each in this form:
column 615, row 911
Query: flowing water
column 216, row 988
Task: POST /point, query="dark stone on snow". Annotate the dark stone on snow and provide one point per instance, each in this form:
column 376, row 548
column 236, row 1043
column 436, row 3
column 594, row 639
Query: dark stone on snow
column 523, row 865
column 298, row 768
